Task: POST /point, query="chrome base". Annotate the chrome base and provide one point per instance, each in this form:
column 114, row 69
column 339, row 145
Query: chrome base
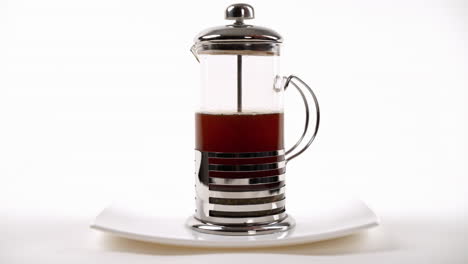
column 241, row 230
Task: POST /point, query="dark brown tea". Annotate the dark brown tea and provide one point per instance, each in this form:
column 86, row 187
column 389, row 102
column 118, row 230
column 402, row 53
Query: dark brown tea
column 239, row 132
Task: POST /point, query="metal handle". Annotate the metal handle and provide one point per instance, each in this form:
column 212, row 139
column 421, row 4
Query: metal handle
column 290, row 80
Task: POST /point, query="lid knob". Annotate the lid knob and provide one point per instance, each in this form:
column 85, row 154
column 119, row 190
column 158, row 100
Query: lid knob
column 239, row 12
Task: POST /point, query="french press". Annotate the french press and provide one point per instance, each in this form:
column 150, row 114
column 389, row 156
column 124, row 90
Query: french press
column 240, row 154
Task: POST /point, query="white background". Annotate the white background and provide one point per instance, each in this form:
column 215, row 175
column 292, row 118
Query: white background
column 97, row 99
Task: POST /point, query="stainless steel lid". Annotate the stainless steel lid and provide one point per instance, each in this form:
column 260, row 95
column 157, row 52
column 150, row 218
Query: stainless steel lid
column 238, row 38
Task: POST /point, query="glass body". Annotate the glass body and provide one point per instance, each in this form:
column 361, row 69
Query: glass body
column 241, row 105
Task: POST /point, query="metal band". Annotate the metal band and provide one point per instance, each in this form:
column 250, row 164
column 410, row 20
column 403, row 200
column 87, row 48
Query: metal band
column 261, row 200
column 246, row 181
column 245, row 188
column 241, row 189
column 245, row 221
column 246, row 154
column 247, row 214
column 246, row 174
column 246, row 195
column 256, row 48
column 247, row 208
column 248, row 167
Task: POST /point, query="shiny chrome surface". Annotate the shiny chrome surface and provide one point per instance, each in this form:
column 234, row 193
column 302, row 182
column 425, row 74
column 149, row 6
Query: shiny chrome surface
column 248, row 221
column 245, row 34
column 281, row 225
column 248, row 207
column 237, row 38
column 290, row 80
column 261, row 220
column 247, row 195
column 239, row 12
column 247, row 181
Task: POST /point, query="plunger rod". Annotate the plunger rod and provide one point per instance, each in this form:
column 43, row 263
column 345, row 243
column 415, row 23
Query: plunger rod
column 239, row 83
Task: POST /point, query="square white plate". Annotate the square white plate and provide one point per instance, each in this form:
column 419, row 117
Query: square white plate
column 332, row 217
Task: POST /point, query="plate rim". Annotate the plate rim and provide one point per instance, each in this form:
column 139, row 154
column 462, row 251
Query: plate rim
column 287, row 241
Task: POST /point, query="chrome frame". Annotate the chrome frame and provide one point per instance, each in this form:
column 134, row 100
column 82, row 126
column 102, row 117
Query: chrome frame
column 259, row 207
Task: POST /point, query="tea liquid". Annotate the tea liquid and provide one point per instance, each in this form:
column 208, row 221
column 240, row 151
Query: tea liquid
column 239, row 132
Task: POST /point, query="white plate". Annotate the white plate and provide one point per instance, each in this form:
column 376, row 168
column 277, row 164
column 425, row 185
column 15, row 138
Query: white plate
column 326, row 219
